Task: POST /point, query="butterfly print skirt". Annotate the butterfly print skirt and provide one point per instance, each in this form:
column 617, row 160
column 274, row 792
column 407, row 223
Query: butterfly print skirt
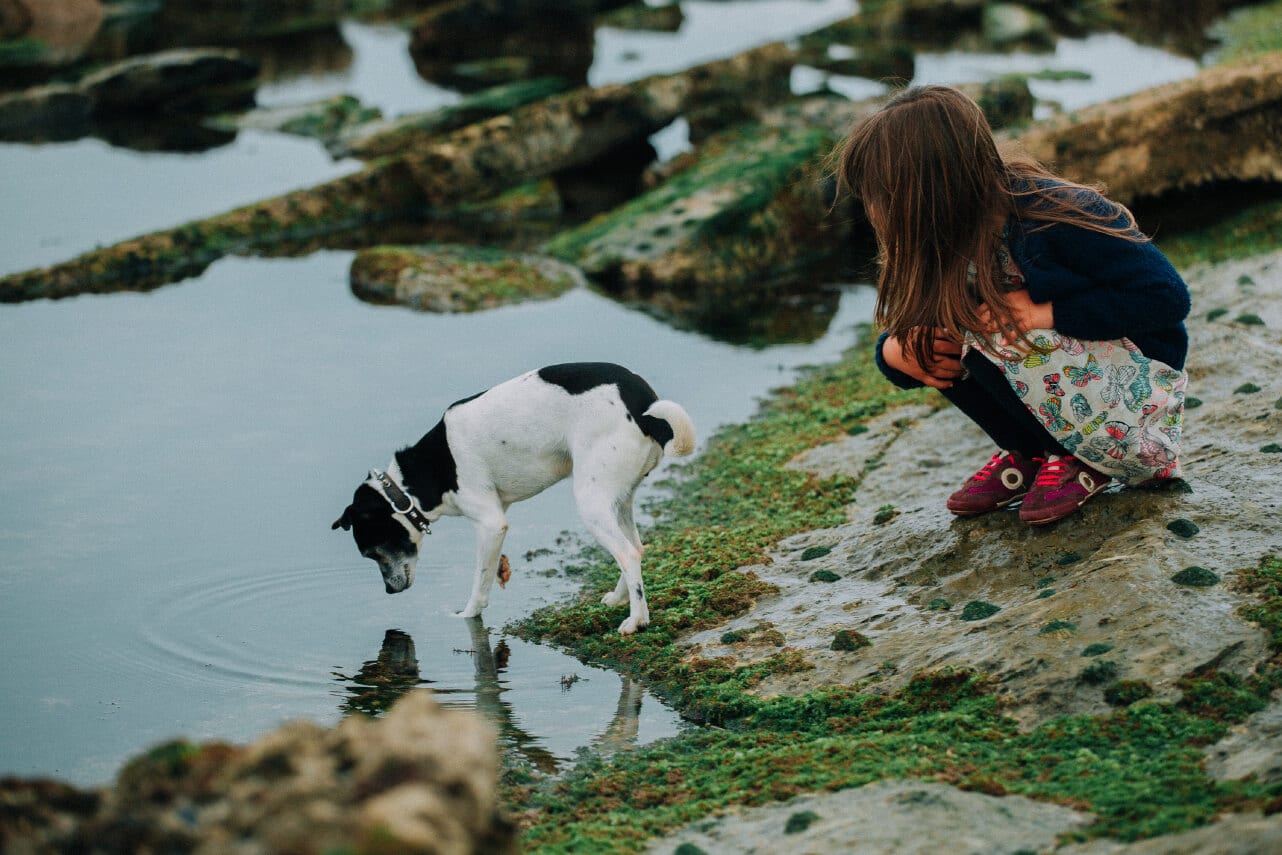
column 1104, row 401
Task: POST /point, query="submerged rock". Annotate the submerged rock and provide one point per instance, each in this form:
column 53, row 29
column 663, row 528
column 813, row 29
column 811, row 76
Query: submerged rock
column 421, row 780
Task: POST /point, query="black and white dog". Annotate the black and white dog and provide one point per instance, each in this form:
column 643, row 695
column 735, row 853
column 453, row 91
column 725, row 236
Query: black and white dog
column 595, row 420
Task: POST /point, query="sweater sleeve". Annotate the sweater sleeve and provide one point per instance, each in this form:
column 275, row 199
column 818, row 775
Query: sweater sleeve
column 1103, row 286
column 899, row 378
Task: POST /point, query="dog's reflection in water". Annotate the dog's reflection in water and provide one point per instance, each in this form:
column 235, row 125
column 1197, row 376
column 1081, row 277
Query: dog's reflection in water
column 379, row 683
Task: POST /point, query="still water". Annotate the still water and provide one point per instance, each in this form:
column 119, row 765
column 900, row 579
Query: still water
column 173, row 460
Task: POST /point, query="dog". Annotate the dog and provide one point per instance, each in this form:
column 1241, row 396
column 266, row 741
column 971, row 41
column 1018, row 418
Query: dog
column 594, row 421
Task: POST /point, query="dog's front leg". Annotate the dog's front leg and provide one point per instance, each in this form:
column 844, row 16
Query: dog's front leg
column 490, row 531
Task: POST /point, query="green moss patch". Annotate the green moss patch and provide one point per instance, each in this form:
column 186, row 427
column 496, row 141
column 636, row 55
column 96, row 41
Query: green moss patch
column 979, row 610
column 1196, row 577
column 1182, row 527
column 824, row 576
column 456, row 278
column 849, row 639
column 813, row 552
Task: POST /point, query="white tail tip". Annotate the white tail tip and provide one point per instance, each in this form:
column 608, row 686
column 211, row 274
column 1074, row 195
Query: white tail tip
column 683, row 438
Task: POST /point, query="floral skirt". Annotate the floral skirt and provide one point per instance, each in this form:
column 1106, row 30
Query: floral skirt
column 1103, row 401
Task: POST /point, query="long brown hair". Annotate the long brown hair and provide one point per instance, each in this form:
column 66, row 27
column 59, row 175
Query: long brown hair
column 937, row 191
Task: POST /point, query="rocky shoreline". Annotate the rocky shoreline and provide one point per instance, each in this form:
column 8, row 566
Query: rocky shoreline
column 875, row 675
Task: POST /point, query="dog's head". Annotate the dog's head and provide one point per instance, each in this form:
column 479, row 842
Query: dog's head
column 382, row 535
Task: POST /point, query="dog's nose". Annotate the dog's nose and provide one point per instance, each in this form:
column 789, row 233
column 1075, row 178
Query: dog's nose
column 389, row 589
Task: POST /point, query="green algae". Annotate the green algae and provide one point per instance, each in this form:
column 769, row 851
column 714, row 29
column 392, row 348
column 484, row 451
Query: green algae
column 979, row 610
column 824, row 576
column 800, row 821
column 1059, row 629
column 884, row 514
column 1099, row 673
column 1216, row 314
column 1196, row 577
column 849, row 639
column 1097, row 649
column 939, row 604
column 1252, row 230
column 1123, row 693
column 1182, row 527
column 813, row 552
column 1271, row 448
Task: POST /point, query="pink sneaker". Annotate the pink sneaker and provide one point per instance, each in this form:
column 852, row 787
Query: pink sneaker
column 1006, row 477
column 1063, row 485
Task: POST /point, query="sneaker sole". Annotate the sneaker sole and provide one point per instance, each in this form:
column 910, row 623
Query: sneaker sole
column 1066, row 514
column 996, row 507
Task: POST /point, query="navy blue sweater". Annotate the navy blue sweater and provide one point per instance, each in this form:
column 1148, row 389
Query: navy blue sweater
column 1102, row 288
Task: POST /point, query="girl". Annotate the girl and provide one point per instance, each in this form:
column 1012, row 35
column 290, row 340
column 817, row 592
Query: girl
column 1034, row 304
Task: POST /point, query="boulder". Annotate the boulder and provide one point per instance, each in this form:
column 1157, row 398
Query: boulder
column 457, row 278
column 183, row 79
column 422, row 779
column 1225, row 124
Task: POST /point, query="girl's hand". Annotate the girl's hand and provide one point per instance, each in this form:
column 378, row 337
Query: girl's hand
column 939, row 373
column 1026, row 314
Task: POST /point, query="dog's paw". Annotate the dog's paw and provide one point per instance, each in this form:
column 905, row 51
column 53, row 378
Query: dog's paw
column 614, row 598
column 468, row 612
column 631, row 625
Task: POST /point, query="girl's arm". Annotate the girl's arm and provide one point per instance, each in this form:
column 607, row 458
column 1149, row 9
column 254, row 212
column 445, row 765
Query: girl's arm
column 1099, row 286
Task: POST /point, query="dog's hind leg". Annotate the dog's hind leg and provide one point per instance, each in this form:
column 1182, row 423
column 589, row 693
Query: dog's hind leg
column 491, row 528
column 628, row 526
column 599, row 512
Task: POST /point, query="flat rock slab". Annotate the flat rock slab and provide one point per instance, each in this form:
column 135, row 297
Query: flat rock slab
column 1057, row 613
column 457, row 278
column 884, row 818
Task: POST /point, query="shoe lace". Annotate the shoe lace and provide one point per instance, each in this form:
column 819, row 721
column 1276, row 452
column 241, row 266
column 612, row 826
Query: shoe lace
column 989, row 468
column 1053, row 471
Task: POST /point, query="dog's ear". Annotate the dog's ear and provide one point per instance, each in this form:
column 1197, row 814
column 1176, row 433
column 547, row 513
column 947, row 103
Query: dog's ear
column 345, row 521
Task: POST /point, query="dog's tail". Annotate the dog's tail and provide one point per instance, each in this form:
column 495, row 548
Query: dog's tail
column 682, row 442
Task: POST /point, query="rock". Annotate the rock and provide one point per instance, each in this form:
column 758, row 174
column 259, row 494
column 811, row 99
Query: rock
column 1117, row 589
column 457, row 278
column 327, row 120
column 54, row 112
column 1225, row 124
column 63, row 28
column 420, row 780
column 405, row 133
column 1252, row 748
column 190, row 80
column 1236, row 834
column 1008, row 24
column 883, row 818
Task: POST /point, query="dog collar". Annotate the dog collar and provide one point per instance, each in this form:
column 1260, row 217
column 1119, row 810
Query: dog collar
column 401, row 502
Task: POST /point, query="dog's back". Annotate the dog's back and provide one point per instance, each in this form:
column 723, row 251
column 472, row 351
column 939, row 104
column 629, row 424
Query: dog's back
column 527, row 433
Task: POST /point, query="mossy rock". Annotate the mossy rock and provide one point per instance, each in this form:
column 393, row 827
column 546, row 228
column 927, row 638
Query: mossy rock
column 800, row 821
column 813, row 552
column 824, row 576
column 939, row 604
column 979, row 610
column 1195, row 577
column 748, row 210
column 1098, row 673
column 456, row 278
column 1271, row 448
column 1246, row 389
column 849, row 639
column 1097, row 649
column 1123, row 693
column 1182, row 527
column 1059, row 629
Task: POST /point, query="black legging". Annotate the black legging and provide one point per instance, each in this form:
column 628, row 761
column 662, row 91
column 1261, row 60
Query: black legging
column 987, row 399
